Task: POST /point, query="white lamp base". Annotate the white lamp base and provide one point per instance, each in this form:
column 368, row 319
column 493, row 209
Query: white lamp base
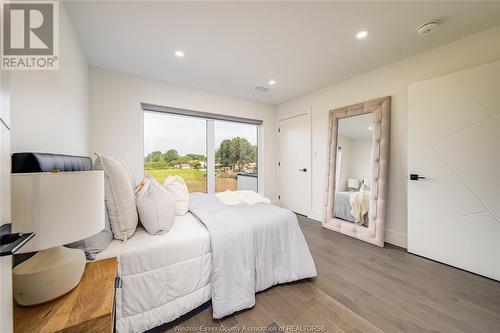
column 47, row 275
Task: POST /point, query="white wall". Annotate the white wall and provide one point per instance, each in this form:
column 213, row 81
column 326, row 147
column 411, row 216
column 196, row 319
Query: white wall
column 116, row 119
column 49, row 109
column 48, row 113
column 361, row 159
column 6, row 310
column 390, row 80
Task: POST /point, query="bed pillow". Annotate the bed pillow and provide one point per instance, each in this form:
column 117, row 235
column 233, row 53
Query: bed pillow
column 177, row 187
column 156, row 207
column 119, row 197
column 95, row 244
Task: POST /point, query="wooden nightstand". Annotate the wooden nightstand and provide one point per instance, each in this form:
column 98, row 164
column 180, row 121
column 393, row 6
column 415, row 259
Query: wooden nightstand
column 87, row 308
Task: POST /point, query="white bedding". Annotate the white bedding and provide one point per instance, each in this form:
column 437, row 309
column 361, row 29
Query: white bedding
column 166, row 276
column 360, row 202
column 253, row 248
column 163, row 276
column 233, row 198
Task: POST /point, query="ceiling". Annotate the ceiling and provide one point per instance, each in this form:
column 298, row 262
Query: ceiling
column 357, row 128
column 232, row 47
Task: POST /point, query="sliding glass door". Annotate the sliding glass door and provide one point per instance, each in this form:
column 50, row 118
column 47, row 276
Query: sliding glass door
column 235, row 156
column 210, row 155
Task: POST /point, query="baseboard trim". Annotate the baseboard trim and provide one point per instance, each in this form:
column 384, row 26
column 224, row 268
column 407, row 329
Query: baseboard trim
column 395, row 238
column 315, row 215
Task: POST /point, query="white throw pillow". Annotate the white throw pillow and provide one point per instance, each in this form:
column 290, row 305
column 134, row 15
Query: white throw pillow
column 177, row 187
column 156, row 207
column 119, row 197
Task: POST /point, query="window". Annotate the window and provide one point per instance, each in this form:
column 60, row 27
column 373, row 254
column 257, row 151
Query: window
column 211, row 155
column 176, row 145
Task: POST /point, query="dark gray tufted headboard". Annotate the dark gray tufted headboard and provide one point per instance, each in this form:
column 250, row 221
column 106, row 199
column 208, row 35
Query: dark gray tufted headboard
column 44, row 162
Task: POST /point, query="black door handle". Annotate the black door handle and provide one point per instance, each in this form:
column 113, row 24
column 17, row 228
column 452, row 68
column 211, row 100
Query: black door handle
column 415, row 176
column 303, row 170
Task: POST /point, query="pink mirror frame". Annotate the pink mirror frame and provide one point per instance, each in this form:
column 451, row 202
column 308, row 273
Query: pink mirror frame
column 374, row 233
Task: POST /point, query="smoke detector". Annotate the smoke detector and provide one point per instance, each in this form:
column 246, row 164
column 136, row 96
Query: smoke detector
column 427, row 28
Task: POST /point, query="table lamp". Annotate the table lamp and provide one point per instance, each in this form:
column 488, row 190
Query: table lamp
column 60, row 208
column 353, row 184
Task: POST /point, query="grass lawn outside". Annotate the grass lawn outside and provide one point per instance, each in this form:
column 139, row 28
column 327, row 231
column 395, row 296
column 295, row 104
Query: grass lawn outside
column 196, row 180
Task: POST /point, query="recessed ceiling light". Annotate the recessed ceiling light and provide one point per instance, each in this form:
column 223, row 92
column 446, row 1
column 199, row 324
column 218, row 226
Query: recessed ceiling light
column 272, row 82
column 362, row 34
column 179, row 54
column 370, row 128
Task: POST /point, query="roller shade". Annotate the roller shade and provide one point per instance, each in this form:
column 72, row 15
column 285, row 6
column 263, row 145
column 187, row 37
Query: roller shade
column 199, row 114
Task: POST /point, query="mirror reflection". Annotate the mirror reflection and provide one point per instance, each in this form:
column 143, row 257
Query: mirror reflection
column 353, row 169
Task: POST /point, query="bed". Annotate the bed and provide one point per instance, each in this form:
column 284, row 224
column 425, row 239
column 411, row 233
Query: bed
column 343, row 207
column 166, row 276
column 214, row 252
column 162, row 276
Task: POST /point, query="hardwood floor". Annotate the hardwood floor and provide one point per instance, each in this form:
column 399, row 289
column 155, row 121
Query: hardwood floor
column 363, row 288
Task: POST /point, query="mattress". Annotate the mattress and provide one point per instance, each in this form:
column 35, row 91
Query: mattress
column 163, row 276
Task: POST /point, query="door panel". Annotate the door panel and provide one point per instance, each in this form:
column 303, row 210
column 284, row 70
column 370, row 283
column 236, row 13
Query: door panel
column 440, row 107
column 294, row 169
column 453, row 141
column 470, row 242
column 442, row 195
column 474, row 153
column 482, row 82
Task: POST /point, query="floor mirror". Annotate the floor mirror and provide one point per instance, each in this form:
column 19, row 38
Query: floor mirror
column 358, row 169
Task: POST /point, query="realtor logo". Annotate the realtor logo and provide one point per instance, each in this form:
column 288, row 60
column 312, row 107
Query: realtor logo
column 30, row 35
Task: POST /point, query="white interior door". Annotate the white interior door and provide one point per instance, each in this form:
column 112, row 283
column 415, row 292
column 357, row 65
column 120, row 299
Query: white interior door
column 454, row 142
column 294, row 164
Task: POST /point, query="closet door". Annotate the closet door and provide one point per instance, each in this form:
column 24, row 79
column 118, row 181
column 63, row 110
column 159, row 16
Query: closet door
column 294, row 164
column 454, row 142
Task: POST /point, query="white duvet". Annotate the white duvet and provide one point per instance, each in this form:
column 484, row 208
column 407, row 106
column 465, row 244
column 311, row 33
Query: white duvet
column 253, row 248
column 163, row 276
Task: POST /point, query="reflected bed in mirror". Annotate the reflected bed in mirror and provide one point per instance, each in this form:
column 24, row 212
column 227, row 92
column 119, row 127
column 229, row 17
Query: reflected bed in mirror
column 353, row 169
column 358, row 166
